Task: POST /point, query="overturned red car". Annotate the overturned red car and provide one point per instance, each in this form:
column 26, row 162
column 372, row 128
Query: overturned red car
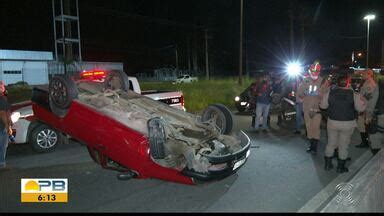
column 138, row 136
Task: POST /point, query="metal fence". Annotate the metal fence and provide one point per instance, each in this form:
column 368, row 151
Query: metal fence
column 164, row 74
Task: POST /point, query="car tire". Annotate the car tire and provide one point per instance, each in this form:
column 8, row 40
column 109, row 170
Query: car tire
column 62, row 91
column 121, row 77
column 44, row 139
column 156, row 139
column 223, row 114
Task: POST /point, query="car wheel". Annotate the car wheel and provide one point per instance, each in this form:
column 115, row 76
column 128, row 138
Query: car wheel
column 62, row 90
column 44, row 139
column 117, row 80
column 156, row 133
column 221, row 116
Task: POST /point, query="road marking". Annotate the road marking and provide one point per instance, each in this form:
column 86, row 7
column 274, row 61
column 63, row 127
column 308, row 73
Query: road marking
column 329, row 191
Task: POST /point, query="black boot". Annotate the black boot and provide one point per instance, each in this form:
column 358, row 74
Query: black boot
column 374, row 151
column 341, row 166
column 309, row 149
column 314, row 148
column 328, row 163
column 364, row 141
column 336, row 155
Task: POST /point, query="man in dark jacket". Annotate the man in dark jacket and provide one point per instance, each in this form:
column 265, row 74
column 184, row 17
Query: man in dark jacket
column 342, row 103
column 5, row 129
column 262, row 91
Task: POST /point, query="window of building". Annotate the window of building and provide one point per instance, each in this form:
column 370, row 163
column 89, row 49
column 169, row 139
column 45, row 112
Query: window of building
column 11, row 72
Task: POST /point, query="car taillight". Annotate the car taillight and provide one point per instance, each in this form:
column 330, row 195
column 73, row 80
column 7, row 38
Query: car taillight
column 182, row 100
column 93, row 75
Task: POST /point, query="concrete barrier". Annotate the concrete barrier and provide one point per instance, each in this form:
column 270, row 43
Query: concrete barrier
column 364, row 193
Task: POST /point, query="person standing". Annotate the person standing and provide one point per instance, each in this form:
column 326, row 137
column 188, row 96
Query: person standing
column 370, row 92
column 299, row 110
column 310, row 92
column 263, row 91
column 342, row 104
column 377, row 134
column 3, row 90
column 5, row 129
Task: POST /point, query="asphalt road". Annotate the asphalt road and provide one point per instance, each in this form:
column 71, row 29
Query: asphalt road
column 279, row 176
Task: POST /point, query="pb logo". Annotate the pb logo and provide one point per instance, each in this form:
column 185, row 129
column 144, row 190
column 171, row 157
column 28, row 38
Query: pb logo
column 44, row 190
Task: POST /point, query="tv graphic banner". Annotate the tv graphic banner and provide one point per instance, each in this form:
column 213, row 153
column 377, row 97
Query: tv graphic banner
column 44, row 190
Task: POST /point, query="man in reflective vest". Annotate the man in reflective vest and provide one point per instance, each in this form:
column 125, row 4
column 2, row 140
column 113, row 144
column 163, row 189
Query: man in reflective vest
column 310, row 92
column 370, row 92
column 376, row 133
column 342, row 103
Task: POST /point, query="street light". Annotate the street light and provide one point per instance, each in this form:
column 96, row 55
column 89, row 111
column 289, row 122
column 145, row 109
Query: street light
column 368, row 17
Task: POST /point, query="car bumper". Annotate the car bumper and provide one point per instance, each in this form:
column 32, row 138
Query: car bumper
column 20, row 129
column 233, row 162
column 178, row 106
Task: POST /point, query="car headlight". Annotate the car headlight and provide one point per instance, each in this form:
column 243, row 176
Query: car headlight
column 157, row 138
column 15, row 116
column 237, row 98
column 294, row 69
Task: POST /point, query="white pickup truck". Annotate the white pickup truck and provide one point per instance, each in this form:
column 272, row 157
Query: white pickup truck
column 185, row 79
column 44, row 138
column 172, row 98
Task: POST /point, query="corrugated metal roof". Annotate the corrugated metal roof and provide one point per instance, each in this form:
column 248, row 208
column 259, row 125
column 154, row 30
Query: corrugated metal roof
column 25, row 55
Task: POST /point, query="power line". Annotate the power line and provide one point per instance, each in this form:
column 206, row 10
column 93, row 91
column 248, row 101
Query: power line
column 349, row 37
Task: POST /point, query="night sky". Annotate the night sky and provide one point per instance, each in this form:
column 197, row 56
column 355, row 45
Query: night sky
column 143, row 34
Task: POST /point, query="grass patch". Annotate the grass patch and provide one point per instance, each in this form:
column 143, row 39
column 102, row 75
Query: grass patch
column 19, row 93
column 199, row 95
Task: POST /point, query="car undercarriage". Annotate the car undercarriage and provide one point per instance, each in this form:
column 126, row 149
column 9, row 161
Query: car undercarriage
column 185, row 142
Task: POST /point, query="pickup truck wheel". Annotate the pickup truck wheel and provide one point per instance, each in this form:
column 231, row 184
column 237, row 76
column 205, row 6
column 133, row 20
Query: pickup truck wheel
column 221, row 115
column 117, row 80
column 44, row 139
column 62, row 90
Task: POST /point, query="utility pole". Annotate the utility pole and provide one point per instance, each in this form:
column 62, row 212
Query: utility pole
column 302, row 22
column 177, row 58
column 369, row 21
column 189, row 52
column 369, row 17
column 382, row 54
column 195, row 63
column 291, row 29
column 206, row 56
column 241, row 45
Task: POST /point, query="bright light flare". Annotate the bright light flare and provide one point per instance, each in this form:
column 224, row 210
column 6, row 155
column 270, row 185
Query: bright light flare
column 237, row 98
column 370, row 17
column 294, row 69
column 15, row 117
